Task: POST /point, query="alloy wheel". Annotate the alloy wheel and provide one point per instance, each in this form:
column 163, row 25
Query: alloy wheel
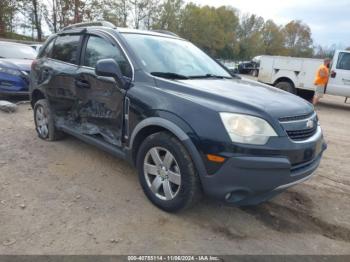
column 162, row 173
column 42, row 122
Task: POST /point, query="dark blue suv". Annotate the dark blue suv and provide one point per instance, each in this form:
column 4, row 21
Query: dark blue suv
column 180, row 117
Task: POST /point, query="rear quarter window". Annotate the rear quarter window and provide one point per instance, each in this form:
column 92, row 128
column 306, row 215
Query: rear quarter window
column 66, row 48
column 46, row 52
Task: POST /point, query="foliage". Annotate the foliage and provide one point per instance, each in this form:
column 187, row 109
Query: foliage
column 298, row 39
column 218, row 31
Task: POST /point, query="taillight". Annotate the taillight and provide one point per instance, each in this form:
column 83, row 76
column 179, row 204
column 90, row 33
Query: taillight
column 34, row 63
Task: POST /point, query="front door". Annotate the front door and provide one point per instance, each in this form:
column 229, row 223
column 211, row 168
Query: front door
column 100, row 99
column 339, row 79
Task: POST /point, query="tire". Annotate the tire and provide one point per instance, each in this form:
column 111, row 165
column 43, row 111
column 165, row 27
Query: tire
column 286, row 86
column 176, row 186
column 44, row 122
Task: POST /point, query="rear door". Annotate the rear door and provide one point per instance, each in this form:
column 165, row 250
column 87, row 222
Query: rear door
column 100, row 99
column 339, row 79
column 59, row 73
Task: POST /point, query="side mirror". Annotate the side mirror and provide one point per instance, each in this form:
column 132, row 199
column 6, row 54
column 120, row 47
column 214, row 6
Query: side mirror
column 108, row 67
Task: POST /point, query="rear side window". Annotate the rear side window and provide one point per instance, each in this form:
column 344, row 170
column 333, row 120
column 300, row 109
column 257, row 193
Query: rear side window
column 66, row 48
column 98, row 48
column 344, row 61
column 47, row 50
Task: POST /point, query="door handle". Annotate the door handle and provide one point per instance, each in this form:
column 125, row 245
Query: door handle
column 81, row 83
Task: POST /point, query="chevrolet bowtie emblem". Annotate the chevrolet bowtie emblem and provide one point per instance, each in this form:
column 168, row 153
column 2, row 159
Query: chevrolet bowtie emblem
column 310, row 124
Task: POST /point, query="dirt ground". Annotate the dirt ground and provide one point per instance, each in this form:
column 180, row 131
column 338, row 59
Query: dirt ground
column 68, row 197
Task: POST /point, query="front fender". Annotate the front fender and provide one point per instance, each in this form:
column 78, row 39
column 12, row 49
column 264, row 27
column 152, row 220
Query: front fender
column 180, row 129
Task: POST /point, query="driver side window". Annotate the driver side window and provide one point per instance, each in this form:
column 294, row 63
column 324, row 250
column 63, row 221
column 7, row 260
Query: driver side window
column 98, row 48
column 344, row 61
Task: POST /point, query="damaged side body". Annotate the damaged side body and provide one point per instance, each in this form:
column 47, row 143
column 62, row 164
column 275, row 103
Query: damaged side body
column 82, row 101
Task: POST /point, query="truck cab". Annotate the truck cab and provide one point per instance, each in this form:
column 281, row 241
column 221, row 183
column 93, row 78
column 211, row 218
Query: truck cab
column 339, row 77
column 296, row 75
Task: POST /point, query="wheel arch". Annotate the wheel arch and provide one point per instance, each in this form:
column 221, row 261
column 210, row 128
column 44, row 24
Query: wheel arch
column 35, row 96
column 157, row 124
column 284, row 79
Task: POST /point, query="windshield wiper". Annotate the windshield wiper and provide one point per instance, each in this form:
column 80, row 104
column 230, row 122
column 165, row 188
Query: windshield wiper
column 169, row 75
column 209, row 76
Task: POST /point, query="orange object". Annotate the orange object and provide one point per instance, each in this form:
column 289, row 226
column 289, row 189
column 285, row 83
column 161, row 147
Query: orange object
column 215, row 158
column 321, row 77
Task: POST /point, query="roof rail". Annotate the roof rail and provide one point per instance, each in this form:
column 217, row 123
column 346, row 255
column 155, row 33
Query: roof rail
column 166, row 32
column 86, row 24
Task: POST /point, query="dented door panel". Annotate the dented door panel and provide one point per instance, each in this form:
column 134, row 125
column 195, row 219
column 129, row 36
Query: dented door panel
column 99, row 105
column 60, row 85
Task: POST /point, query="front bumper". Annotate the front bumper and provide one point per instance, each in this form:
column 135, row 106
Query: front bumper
column 251, row 179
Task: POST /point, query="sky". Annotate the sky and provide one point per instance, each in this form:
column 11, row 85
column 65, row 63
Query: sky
column 329, row 20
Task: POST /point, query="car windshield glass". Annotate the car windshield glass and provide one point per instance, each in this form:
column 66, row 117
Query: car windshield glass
column 17, row 51
column 169, row 57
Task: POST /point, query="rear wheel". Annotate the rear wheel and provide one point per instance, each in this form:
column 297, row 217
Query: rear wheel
column 167, row 174
column 286, row 86
column 44, row 121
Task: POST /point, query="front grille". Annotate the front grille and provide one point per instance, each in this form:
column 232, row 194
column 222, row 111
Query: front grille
column 295, row 118
column 302, row 134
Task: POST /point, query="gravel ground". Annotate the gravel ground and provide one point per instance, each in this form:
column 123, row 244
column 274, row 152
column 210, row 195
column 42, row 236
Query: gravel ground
column 68, row 197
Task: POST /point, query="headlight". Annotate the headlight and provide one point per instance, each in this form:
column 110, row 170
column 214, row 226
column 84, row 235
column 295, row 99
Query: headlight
column 247, row 129
column 10, row 71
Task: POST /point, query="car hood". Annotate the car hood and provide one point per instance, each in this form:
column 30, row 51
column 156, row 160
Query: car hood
column 19, row 64
column 242, row 95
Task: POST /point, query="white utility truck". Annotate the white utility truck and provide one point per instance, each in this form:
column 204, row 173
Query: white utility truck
column 296, row 75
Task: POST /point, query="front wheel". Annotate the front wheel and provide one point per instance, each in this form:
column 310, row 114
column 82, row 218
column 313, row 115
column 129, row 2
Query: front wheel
column 167, row 174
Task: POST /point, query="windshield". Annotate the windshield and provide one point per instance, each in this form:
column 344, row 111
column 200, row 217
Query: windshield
column 176, row 58
column 17, row 51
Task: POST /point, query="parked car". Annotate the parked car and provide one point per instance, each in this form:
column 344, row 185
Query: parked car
column 15, row 62
column 165, row 106
column 36, row 47
column 248, row 67
column 232, row 67
column 294, row 74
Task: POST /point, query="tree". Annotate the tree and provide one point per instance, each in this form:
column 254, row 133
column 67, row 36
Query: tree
column 139, row 11
column 8, row 9
column 298, row 41
column 169, row 16
column 324, row 51
column 117, row 12
column 37, row 18
column 250, row 36
column 211, row 29
column 348, row 48
column 273, row 40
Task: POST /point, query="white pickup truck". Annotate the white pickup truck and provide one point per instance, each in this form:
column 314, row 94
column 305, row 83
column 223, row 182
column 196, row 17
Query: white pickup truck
column 296, row 75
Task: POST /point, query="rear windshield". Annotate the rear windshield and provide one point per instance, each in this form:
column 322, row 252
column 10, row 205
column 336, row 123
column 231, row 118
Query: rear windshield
column 17, row 51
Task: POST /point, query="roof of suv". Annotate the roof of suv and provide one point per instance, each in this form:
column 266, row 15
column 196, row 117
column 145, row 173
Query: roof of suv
column 147, row 32
column 108, row 25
